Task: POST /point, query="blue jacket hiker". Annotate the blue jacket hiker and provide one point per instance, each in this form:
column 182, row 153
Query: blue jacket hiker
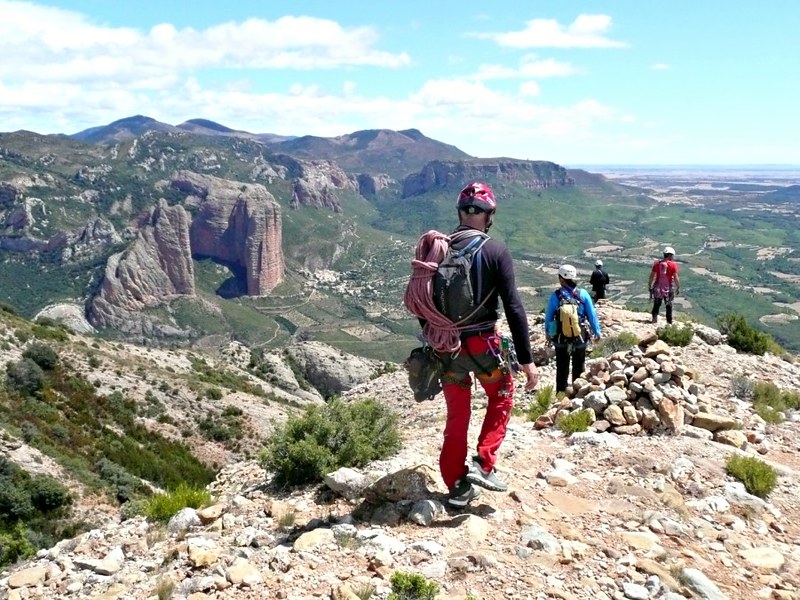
column 570, row 322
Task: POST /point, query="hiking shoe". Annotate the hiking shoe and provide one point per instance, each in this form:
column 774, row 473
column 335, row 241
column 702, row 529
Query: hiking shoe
column 462, row 493
column 654, row 320
column 478, row 476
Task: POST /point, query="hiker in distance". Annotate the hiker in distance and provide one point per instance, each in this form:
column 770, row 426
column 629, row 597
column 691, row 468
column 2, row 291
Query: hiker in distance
column 570, row 322
column 599, row 280
column 664, row 283
column 454, row 290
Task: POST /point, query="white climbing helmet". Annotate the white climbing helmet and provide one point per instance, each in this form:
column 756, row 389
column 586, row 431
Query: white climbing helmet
column 669, row 250
column 568, row 272
column 598, row 263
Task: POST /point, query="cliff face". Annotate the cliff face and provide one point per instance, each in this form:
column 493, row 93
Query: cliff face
column 532, row 174
column 314, row 182
column 369, row 185
column 235, row 223
column 156, row 266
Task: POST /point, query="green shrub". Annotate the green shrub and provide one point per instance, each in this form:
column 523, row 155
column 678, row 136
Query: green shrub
column 7, row 308
column 541, row 402
column 326, row 438
column 232, row 411
column 93, row 361
column 624, row 340
column 162, row 507
column 769, row 400
column 412, row 586
column 31, row 511
column 577, row 420
column 757, row 476
column 743, row 336
column 214, row 393
column 45, row 332
column 48, row 495
column 25, row 376
column 742, row 387
column 676, row 335
column 792, row 399
column 42, row 354
column 124, row 485
column 14, row 545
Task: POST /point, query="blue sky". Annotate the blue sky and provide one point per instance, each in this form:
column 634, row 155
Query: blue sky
column 579, row 82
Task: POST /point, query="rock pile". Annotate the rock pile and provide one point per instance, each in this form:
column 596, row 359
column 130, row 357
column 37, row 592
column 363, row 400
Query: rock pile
column 645, row 390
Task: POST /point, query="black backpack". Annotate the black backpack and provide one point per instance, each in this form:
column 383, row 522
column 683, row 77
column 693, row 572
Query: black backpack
column 453, row 292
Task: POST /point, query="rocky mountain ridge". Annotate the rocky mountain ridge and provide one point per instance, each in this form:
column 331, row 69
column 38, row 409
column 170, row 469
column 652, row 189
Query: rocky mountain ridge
column 136, row 213
column 534, row 175
column 594, row 516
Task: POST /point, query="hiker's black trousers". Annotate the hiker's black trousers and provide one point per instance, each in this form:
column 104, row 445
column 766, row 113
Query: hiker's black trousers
column 563, row 360
column 657, row 307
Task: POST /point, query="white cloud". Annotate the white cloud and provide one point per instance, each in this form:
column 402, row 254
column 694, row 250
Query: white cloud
column 40, row 43
column 65, row 73
column 586, row 31
column 529, row 88
column 530, row 67
column 660, row 67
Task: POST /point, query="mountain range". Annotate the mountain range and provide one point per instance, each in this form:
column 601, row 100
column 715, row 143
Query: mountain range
column 198, row 232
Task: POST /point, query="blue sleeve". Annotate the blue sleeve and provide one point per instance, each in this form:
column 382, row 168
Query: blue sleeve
column 552, row 306
column 591, row 314
column 549, row 313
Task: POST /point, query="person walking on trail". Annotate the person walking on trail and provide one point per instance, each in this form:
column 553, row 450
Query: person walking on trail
column 664, row 283
column 599, row 280
column 570, row 321
column 469, row 343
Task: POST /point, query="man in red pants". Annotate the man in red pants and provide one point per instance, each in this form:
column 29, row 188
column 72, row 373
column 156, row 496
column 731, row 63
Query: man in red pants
column 491, row 277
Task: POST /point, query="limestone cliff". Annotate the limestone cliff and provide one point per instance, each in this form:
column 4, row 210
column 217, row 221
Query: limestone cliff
column 369, row 185
column 535, row 175
column 235, row 223
column 314, row 182
column 156, row 266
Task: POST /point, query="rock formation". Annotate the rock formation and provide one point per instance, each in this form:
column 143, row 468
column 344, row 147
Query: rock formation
column 156, row 266
column 329, row 370
column 236, row 223
column 95, row 237
column 369, row 185
column 314, row 182
column 70, row 315
column 535, row 175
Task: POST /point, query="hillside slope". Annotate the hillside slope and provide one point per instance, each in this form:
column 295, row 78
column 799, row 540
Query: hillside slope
column 587, row 517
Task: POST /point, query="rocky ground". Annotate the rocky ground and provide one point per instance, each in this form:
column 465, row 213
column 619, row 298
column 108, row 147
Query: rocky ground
column 592, row 516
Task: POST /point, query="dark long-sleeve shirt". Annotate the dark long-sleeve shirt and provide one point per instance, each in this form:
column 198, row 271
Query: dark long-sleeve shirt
column 494, row 269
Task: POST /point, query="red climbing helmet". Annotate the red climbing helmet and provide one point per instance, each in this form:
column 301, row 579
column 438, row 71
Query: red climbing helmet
column 478, row 195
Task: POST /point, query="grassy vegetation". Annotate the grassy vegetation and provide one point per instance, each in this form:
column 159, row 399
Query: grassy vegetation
column 757, row 476
column 163, row 506
column 412, row 586
column 542, row 400
column 770, row 402
column 607, row 346
column 577, row 420
column 676, row 335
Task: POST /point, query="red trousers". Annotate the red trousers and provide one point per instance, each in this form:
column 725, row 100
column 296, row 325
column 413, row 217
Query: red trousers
column 457, row 389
